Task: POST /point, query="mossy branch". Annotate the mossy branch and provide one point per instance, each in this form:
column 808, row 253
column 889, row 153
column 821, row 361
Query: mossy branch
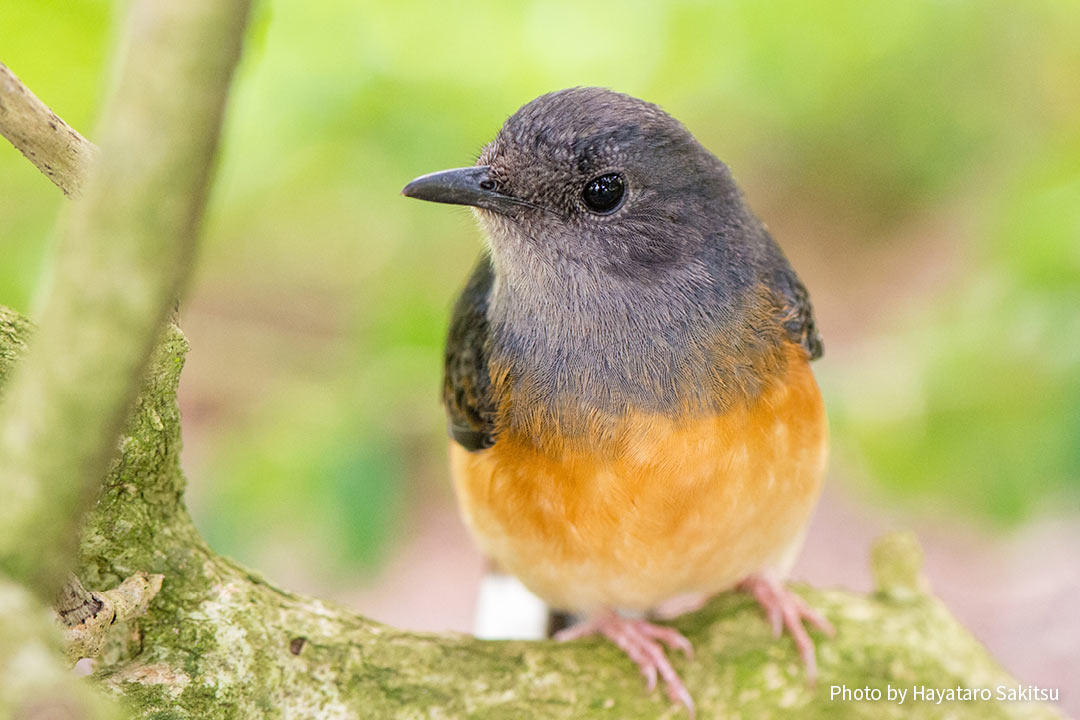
column 125, row 252
column 220, row 642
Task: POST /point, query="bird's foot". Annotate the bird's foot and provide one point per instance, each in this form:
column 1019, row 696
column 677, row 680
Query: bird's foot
column 785, row 609
column 641, row 641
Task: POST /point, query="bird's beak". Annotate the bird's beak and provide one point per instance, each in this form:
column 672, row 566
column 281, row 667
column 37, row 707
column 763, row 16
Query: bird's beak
column 461, row 186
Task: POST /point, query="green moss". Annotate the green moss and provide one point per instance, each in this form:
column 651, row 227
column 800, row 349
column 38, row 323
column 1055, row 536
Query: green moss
column 14, row 332
column 896, row 562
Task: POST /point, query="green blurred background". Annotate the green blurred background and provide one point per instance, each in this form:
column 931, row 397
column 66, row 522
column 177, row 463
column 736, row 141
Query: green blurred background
column 919, row 161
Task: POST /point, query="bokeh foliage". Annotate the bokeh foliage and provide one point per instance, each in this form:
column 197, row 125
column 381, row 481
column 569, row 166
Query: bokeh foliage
column 321, row 301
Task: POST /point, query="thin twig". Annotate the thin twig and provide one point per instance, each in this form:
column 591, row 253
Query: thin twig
column 57, row 149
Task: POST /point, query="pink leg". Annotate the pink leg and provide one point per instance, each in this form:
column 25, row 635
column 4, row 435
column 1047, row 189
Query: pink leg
column 638, row 639
column 785, row 609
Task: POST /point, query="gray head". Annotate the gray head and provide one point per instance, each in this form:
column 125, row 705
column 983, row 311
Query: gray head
column 589, row 181
column 627, row 269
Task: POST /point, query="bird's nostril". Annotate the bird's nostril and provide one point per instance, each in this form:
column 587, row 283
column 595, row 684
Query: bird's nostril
column 487, row 184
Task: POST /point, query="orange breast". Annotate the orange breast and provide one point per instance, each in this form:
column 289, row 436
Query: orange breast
column 681, row 507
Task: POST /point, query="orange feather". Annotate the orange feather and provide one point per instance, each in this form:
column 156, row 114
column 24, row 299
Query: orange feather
column 674, row 506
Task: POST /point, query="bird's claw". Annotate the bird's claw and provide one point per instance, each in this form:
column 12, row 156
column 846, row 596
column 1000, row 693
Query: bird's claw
column 641, row 641
column 785, row 609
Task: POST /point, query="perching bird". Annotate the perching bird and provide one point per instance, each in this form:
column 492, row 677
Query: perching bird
column 631, row 406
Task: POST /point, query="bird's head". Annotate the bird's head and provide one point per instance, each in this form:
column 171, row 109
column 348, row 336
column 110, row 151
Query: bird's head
column 591, row 180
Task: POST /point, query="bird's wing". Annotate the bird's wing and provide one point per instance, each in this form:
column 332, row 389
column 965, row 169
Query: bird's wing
column 466, row 383
column 798, row 314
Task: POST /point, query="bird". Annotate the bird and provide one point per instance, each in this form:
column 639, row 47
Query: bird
column 632, row 414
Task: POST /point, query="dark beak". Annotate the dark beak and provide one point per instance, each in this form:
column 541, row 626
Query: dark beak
column 462, row 186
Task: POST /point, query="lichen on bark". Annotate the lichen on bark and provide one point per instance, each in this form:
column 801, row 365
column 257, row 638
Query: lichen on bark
column 219, row 641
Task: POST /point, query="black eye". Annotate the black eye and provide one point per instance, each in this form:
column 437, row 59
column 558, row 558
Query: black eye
column 603, row 194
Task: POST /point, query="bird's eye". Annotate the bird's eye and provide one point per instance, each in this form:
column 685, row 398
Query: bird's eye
column 603, row 194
